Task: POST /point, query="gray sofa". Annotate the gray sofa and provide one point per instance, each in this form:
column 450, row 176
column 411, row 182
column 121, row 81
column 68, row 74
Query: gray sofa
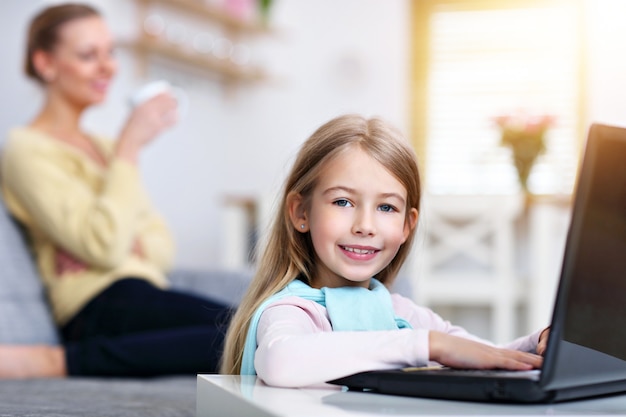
column 25, row 319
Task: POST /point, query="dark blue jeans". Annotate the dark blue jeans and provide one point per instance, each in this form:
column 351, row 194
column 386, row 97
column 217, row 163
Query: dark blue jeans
column 136, row 329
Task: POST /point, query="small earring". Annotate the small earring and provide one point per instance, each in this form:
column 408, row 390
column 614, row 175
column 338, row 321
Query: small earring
column 302, row 226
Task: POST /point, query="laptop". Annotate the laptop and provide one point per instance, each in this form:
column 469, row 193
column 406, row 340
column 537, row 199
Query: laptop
column 586, row 352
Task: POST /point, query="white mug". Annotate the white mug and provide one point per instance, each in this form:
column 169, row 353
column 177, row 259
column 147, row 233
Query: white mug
column 154, row 88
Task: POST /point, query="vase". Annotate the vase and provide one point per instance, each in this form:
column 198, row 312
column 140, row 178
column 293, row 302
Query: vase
column 524, row 156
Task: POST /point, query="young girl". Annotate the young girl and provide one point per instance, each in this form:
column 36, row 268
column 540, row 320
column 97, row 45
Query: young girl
column 318, row 308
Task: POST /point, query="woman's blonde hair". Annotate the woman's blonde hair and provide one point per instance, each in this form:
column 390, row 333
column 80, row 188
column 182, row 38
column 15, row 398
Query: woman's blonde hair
column 289, row 253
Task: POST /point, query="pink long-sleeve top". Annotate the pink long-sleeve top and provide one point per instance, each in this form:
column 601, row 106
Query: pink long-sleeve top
column 297, row 346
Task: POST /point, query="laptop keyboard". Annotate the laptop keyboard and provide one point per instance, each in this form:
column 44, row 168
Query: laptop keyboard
column 533, row 374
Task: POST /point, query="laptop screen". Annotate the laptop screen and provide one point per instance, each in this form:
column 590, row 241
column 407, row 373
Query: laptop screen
column 591, row 303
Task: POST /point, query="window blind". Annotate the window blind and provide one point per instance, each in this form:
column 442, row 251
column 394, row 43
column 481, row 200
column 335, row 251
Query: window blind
column 485, row 63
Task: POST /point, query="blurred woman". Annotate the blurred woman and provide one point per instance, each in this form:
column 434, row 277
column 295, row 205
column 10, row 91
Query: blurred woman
column 101, row 248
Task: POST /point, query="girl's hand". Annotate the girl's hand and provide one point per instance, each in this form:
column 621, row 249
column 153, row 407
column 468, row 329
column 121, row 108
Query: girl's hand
column 457, row 352
column 145, row 123
column 543, row 341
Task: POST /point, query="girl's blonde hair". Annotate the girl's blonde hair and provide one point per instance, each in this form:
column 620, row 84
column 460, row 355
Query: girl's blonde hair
column 289, row 253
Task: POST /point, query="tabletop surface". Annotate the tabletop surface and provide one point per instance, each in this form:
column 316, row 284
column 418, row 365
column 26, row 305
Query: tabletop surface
column 239, row 396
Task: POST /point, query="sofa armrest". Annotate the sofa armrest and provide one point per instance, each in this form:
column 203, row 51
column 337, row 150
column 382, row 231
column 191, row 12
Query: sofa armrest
column 25, row 317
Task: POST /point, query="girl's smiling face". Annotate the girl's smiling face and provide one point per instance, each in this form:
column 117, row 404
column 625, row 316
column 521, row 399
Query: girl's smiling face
column 357, row 219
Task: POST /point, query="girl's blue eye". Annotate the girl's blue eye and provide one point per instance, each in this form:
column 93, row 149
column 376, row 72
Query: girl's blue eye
column 386, row 208
column 343, row 203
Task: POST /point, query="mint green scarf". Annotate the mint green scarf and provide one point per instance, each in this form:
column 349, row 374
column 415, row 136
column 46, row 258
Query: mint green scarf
column 349, row 309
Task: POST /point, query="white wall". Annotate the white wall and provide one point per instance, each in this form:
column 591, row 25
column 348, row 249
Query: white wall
column 243, row 143
column 19, row 98
column 331, row 57
column 606, row 61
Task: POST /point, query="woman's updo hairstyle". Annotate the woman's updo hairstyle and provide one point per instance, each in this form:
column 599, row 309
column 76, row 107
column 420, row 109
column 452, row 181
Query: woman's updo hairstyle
column 43, row 32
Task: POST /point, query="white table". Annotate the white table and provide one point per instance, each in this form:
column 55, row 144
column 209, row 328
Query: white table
column 245, row 396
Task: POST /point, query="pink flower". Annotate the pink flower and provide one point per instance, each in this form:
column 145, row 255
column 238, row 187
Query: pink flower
column 523, row 122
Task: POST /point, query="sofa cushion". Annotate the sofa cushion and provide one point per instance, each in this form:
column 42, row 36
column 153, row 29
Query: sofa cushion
column 24, row 313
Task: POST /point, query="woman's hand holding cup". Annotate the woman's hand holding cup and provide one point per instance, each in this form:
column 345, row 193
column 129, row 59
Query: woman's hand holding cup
column 156, row 107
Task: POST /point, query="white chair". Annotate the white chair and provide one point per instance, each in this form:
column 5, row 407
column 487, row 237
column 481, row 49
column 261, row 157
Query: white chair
column 466, row 252
column 548, row 225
